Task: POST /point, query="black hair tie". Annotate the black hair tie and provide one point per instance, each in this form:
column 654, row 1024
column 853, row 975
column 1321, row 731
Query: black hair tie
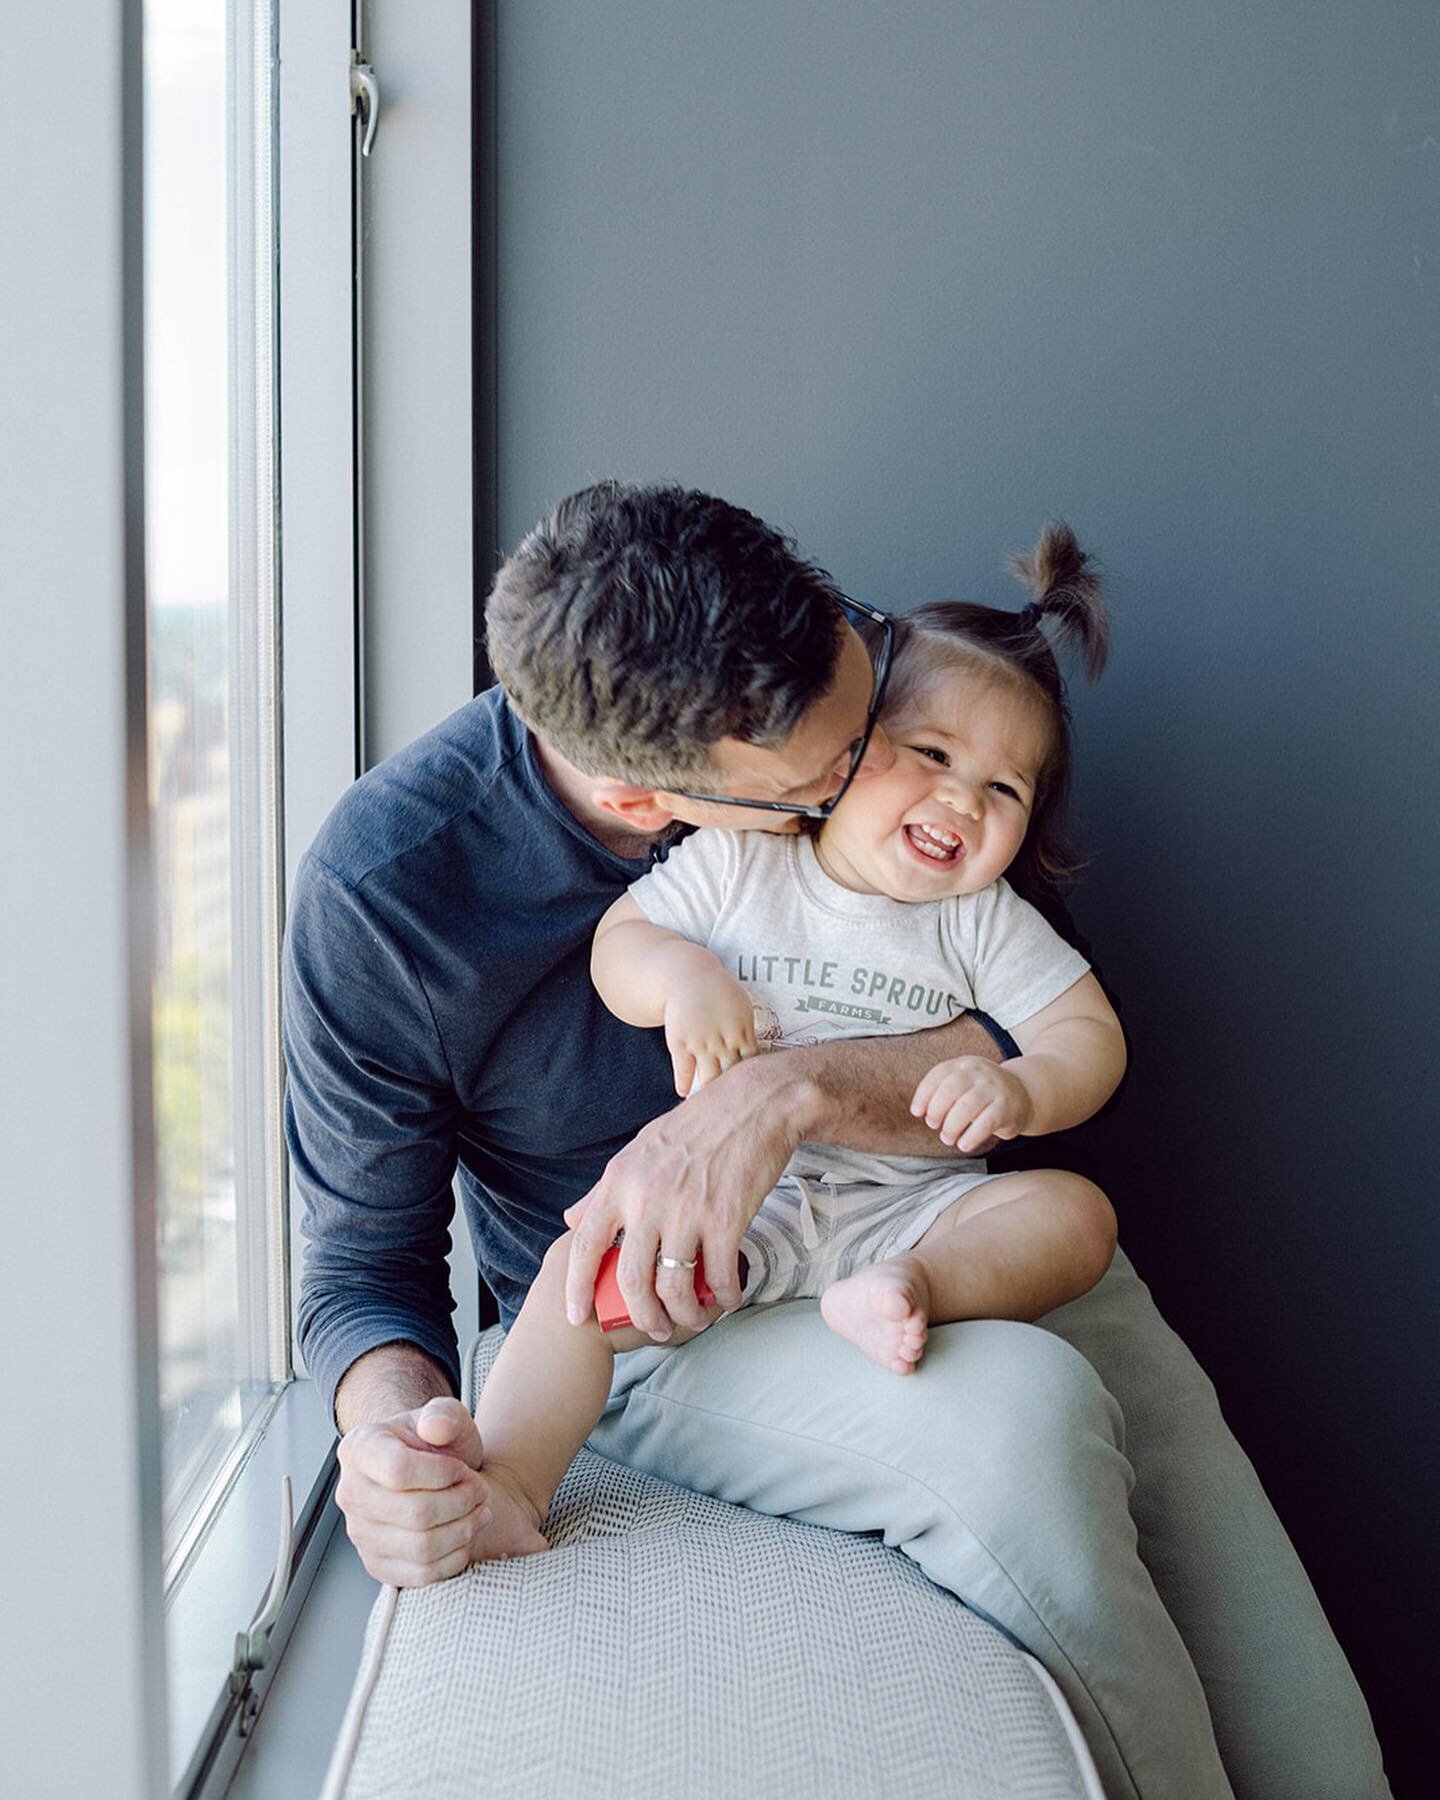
column 1029, row 616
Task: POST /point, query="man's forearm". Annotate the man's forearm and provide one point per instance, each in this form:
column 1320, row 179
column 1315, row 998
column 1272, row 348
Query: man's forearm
column 857, row 1092
column 391, row 1379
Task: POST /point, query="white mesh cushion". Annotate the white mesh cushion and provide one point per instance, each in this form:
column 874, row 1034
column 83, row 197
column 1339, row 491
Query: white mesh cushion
column 672, row 1647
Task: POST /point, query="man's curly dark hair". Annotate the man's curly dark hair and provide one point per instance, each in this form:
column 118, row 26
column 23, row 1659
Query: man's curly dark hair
column 636, row 626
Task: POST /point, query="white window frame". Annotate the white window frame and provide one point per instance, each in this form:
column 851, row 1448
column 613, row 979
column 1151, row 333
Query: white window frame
column 418, row 215
column 376, row 573
column 320, row 600
column 226, row 1580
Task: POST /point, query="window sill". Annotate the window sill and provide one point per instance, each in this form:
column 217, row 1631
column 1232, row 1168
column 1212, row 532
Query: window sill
column 225, row 1584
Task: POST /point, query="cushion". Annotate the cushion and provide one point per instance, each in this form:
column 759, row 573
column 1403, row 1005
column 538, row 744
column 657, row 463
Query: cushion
column 671, row 1645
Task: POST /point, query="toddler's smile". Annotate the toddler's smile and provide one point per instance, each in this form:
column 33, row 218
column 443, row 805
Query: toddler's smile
column 949, row 816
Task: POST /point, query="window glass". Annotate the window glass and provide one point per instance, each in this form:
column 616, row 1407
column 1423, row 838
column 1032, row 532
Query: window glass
column 210, row 478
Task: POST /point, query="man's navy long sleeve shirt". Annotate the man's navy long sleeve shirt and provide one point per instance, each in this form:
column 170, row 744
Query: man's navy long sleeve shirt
column 439, row 1016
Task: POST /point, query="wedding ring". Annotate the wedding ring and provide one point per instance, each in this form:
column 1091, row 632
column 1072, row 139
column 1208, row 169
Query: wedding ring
column 674, row 1262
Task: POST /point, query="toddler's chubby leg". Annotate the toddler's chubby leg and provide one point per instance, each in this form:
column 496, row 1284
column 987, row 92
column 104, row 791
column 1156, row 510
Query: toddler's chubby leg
column 1013, row 1248
column 541, row 1401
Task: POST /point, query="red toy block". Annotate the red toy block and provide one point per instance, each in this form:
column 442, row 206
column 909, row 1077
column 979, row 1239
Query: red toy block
column 610, row 1308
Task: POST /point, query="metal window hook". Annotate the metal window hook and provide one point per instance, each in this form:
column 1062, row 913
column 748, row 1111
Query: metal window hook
column 252, row 1646
column 364, row 98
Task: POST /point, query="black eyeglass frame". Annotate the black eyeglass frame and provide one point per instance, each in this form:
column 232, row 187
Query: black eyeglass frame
column 882, row 659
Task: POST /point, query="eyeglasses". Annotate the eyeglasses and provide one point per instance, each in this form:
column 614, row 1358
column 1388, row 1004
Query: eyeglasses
column 864, row 616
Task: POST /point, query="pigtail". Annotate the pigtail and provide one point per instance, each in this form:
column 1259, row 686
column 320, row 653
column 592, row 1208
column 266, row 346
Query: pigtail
column 1066, row 589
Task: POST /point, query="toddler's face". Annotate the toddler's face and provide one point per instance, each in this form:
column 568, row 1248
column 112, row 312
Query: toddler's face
column 951, row 814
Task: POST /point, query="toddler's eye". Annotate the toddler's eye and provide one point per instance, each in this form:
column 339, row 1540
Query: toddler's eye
column 935, row 755
column 1004, row 787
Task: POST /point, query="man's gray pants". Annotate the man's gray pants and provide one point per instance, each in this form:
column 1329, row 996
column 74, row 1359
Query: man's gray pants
column 1074, row 1483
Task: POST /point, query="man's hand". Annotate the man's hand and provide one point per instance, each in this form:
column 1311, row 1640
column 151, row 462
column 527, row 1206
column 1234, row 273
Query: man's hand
column 690, row 1182
column 412, row 1500
column 969, row 1102
column 709, row 1027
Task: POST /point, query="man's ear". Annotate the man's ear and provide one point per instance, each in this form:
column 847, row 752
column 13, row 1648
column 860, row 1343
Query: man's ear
column 638, row 808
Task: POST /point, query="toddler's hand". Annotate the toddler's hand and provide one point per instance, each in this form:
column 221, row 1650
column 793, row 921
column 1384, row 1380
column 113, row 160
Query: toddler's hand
column 968, row 1101
column 709, row 1026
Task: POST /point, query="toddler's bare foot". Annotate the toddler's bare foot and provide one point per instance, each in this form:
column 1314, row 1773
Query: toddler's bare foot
column 884, row 1310
column 513, row 1529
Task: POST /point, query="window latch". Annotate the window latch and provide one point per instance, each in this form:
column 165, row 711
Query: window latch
column 252, row 1646
column 364, row 99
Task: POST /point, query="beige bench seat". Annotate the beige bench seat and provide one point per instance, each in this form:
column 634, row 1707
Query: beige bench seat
column 673, row 1647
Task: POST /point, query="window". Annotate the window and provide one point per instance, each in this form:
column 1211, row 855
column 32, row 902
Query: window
column 141, row 723
column 210, row 531
column 246, row 120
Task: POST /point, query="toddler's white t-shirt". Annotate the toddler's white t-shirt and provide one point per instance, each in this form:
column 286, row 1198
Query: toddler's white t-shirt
column 821, row 962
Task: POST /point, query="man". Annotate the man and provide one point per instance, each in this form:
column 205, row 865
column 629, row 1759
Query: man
column 665, row 657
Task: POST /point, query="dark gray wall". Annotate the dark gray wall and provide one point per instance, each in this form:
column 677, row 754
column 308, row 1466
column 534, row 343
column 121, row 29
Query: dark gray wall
column 905, row 278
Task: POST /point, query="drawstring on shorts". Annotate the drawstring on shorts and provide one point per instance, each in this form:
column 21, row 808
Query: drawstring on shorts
column 809, row 1230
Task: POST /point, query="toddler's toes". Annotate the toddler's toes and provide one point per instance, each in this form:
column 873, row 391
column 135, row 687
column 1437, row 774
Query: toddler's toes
column 882, row 1311
column 911, row 1346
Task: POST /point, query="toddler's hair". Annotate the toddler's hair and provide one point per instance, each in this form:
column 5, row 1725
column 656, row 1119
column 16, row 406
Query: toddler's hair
column 1013, row 650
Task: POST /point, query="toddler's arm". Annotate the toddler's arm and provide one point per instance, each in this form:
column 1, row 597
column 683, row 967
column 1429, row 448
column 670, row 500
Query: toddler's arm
column 1072, row 1058
column 647, row 975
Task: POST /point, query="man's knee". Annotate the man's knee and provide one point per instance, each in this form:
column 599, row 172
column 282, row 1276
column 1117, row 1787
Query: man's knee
column 1004, row 1438
column 1005, row 1402
column 1003, row 1429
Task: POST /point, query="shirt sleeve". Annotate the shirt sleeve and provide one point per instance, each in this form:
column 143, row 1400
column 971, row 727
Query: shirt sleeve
column 1020, row 963
column 688, row 892
column 371, row 1128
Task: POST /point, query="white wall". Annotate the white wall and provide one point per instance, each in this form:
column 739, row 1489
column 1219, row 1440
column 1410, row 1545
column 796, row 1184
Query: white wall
column 81, row 1687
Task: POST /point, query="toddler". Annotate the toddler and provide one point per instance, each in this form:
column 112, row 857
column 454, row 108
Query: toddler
column 896, row 916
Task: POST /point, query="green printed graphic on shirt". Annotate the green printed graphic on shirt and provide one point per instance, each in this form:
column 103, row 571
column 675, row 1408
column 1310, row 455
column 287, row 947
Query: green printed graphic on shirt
column 842, row 1009
column 875, row 995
